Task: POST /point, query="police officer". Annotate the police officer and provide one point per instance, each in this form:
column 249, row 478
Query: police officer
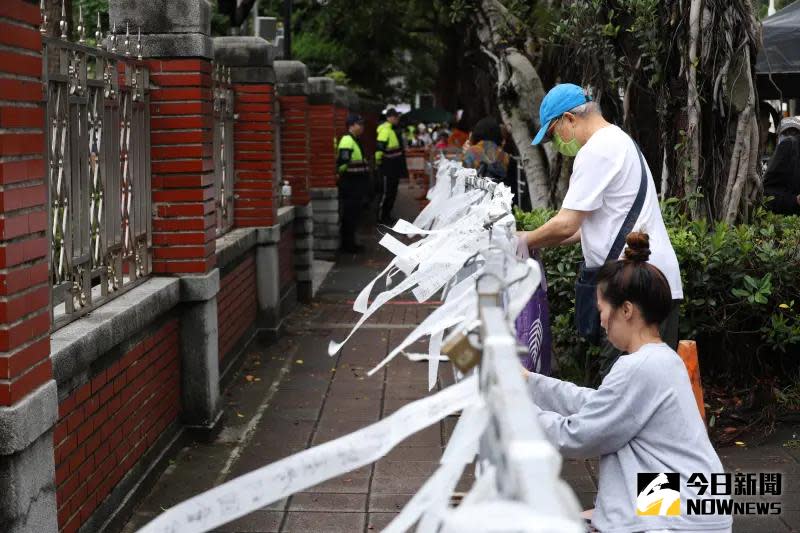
column 390, row 158
column 353, row 171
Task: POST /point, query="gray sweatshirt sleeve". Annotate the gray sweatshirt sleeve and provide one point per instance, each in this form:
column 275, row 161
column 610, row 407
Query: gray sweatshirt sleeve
column 552, row 394
column 609, row 417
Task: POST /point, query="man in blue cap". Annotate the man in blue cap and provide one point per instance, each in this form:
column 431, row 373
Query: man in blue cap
column 611, row 193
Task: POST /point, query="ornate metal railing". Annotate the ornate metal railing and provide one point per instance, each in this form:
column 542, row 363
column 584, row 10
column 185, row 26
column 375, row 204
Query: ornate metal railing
column 223, row 146
column 98, row 164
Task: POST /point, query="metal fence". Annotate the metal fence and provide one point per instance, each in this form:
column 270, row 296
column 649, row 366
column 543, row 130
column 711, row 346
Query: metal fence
column 98, row 165
column 223, row 146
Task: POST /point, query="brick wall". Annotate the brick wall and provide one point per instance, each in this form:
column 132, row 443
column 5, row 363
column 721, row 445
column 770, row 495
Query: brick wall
column 237, row 304
column 295, row 146
column 106, row 425
column 340, row 121
column 286, row 257
column 184, row 226
column 24, row 277
column 322, row 122
column 257, row 199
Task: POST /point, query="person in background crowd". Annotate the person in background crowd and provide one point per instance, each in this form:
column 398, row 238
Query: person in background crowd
column 441, row 140
column 423, row 137
column 409, row 136
column 485, row 153
column 459, row 135
column 391, row 161
column 782, row 178
column 353, row 183
column 643, row 417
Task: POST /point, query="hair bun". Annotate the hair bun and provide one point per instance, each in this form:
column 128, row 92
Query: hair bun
column 638, row 248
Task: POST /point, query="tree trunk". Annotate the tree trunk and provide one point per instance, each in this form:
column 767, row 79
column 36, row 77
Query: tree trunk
column 745, row 154
column 693, row 132
column 519, row 93
column 518, row 73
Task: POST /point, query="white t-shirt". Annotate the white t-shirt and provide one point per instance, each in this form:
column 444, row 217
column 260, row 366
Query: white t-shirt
column 605, row 179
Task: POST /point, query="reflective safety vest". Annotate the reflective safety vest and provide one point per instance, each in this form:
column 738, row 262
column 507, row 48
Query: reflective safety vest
column 388, row 146
column 350, row 157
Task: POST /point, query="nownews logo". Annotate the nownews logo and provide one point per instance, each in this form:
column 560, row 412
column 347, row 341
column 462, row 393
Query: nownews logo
column 660, row 494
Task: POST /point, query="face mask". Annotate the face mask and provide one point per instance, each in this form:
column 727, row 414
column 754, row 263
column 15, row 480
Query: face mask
column 568, row 149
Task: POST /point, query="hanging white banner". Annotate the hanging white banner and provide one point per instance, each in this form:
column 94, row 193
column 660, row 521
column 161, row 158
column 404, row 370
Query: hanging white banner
column 300, row 471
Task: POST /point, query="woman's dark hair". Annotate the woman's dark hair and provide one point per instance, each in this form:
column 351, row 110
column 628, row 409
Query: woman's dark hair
column 486, row 129
column 634, row 280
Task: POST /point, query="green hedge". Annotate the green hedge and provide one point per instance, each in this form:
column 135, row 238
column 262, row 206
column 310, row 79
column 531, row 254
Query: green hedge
column 741, row 287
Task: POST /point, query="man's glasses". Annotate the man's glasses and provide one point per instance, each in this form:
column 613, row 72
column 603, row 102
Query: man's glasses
column 551, row 130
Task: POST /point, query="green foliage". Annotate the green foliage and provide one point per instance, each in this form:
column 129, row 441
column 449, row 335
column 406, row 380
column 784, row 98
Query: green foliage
column 763, row 6
column 741, row 293
column 373, row 43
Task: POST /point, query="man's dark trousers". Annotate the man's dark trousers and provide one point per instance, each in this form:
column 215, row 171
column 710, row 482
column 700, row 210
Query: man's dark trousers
column 353, row 189
column 389, row 174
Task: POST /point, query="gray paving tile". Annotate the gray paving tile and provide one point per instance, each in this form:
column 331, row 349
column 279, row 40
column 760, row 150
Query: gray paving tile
column 414, row 453
column 328, row 501
column 356, row 481
column 759, row 524
column 378, row 521
column 397, row 485
column 791, row 519
column 405, row 468
column 303, row 522
column 387, row 502
column 257, row 522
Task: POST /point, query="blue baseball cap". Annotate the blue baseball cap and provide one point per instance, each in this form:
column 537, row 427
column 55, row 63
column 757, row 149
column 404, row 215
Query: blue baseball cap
column 556, row 102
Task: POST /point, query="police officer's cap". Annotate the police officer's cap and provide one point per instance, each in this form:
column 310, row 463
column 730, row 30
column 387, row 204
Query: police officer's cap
column 392, row 112
column 354, row 118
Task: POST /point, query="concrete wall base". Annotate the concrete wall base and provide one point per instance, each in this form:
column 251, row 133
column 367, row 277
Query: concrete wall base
column 27, row 489
column 199, row 334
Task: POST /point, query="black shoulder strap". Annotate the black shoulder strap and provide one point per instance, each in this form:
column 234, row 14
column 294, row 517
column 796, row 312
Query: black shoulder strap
column 633, row 214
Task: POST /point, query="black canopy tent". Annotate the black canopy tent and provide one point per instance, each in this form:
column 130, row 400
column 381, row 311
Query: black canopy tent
column 778, row 63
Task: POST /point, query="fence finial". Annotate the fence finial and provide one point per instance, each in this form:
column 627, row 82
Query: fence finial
column 98, row 33
column 63, row 22
column 43, row 12
column 127, row 40
column 112, row 39
column 81, row 28
column 139, row 45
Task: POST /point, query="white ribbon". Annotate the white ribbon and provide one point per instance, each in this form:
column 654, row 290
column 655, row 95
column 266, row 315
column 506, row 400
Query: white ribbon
column 300, row 471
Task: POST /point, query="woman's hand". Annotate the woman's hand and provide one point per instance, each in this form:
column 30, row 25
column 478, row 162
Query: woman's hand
column 525, row 373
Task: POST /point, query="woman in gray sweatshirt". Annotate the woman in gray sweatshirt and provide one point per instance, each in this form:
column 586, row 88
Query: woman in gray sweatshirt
column 643, row 418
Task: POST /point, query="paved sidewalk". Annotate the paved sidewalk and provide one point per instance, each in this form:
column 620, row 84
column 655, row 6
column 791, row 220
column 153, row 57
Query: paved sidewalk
column 291, row 395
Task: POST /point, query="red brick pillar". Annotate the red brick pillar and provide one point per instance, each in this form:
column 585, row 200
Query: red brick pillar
column 324, row 194
column 178, row 50
column 341, row 111
column 184, row 223
column 24, row 287
column 292, row 81
column 28, row 399
column 256, row 190
column 322, row 122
